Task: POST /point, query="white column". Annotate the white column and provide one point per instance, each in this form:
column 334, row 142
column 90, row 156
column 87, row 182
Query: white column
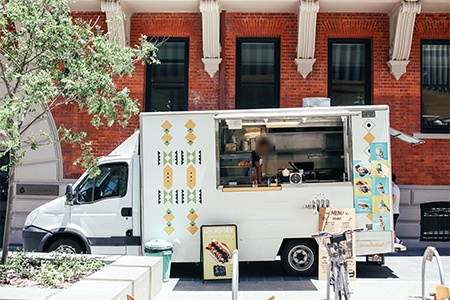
column 211, row 35
column 118, row 21
column 306, row 41
column 401, row 27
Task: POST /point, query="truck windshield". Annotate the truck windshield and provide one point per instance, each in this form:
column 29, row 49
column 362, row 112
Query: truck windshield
column 111, row 182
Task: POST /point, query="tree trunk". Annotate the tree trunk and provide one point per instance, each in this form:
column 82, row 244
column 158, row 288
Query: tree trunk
column 8, row 214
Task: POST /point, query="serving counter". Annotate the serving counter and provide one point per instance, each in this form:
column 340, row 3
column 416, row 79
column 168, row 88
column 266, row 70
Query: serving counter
column 251, row 189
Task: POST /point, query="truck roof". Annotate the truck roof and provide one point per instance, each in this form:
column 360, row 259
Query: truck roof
column 335, row 111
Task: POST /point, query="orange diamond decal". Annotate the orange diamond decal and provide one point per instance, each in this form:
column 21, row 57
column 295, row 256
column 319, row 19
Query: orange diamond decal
column 192, row 217
column 169, row 217
column 190, row 137
column 190, row 124
column 192, row 229
column 169, row 230
column 166, row 125
column 167, row 137
column 369, row 137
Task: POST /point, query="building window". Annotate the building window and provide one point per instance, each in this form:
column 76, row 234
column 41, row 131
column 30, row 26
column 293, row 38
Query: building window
column 435, row 71
column 349, row 72
column 167, row 83
column 257, row 73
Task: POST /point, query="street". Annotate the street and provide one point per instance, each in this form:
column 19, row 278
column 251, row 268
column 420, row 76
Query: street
column 399, row 278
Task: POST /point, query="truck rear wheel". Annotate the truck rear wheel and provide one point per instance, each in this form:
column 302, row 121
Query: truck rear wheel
column 66, row 245
column 300, row 257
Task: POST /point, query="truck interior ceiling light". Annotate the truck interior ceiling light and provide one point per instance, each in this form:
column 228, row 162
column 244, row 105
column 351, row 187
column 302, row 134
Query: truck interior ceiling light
column 234, row 124
column 282, row 124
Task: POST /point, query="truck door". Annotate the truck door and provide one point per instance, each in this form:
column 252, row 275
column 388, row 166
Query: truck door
column 104, row 210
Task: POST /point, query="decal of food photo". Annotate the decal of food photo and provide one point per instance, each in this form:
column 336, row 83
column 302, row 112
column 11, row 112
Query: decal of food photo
column 363, row 186
column 219, row 252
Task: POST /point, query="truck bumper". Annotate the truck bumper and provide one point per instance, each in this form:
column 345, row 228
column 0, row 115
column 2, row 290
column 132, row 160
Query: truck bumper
column 33, row 238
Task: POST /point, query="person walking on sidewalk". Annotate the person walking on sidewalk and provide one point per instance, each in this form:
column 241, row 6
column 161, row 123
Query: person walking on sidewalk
column 395, row 205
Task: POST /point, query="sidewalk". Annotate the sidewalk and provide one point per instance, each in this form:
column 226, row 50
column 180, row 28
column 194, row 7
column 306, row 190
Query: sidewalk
column 399, row 279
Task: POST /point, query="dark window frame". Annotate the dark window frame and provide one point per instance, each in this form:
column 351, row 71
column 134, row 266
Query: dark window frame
column 277, row 67
column 149, row 72
column 425, row 128
column 368, row 85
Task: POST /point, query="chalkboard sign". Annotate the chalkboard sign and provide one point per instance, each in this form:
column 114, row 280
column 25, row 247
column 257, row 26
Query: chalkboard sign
column 217, row 245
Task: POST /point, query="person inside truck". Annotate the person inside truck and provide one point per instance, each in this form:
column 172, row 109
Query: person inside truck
column 263, row 146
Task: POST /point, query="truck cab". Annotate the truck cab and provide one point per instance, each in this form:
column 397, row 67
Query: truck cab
column 97, row 215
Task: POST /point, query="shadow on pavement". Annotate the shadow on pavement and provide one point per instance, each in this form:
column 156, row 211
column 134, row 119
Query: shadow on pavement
column 254, row 276
column 373, row 270
column 414, row 251
column 261, row 271
column 272, row 271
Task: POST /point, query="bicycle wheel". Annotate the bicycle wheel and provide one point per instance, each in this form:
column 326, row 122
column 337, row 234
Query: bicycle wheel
column 337, row 282
column 345, row 291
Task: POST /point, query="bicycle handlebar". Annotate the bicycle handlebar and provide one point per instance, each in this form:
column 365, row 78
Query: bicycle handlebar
column 330, row 234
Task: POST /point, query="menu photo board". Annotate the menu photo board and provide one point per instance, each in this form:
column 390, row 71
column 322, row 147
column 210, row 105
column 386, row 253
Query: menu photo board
column 335, row 220
column 218, row 243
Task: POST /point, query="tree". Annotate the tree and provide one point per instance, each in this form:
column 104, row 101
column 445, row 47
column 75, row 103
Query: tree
column 49, row 59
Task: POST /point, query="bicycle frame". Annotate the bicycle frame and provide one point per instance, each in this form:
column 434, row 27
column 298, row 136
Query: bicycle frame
column 338, row 250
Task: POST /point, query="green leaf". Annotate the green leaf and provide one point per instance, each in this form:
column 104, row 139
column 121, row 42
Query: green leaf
column 51, row 59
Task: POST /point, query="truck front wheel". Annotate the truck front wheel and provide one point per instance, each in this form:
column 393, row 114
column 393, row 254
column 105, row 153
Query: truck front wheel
column 300, row 257
column 66, row 245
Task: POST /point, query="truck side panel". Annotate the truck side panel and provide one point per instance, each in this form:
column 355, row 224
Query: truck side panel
column 176, row 205
column 178, row 179
column 371, row 169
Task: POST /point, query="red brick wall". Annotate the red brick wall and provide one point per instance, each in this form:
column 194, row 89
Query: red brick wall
column 203, row 90
column 425, row 164
column 428, row 163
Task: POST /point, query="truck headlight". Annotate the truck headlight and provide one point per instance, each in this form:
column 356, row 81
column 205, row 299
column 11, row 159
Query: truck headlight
column 31, row 217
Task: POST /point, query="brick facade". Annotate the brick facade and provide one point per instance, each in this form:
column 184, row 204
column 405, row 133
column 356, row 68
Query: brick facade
column 423, row 165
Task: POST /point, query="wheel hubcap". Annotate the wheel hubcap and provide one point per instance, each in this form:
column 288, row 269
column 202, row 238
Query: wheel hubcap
column 65, row 249
column 301, row 258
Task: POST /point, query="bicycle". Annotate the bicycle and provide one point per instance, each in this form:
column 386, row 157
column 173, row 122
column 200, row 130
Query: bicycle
column 338, row 246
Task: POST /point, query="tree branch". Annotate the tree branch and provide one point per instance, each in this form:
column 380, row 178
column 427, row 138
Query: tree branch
column 46, row 110
column 5, row 80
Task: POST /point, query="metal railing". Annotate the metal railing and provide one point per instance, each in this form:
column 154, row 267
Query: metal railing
column 428, row 255
column 235, row 278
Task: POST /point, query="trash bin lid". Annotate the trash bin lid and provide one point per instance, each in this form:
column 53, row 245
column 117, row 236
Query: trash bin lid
column 158, row 245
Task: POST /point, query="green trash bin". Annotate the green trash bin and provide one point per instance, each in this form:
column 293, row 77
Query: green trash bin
column 161, row 248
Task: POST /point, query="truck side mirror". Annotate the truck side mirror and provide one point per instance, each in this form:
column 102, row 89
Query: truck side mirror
column 70, row 197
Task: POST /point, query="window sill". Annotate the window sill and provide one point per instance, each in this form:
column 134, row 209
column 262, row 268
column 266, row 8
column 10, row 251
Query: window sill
column 440, row 136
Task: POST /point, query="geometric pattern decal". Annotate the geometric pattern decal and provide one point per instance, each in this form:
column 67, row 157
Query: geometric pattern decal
column 190, row 137
column 369, row 137
column 168, row 197
column 168, row 157
column 369, row 125
column 166, row 137
column 180, row 196
column 190, row 177
column 192, row 196
column 367, row 151
column 191, row 157
column 192, row 216
column 168, row 177
column 169, row 218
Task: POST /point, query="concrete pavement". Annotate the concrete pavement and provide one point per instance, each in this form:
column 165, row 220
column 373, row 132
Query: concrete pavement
column 399, row 279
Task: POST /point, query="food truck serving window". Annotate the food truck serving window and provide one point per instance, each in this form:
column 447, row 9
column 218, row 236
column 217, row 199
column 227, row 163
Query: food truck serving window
column 315, row 148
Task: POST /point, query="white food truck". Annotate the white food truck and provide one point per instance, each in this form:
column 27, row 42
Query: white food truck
column 183, row 170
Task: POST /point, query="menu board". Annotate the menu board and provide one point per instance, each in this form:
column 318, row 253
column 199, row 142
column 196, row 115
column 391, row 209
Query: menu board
column 336, row 220
column 217, row 245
